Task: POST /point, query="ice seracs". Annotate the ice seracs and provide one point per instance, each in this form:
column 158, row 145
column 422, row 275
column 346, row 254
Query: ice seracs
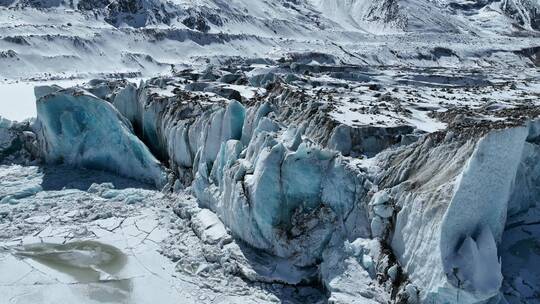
column 377, row 184
column 76, row 128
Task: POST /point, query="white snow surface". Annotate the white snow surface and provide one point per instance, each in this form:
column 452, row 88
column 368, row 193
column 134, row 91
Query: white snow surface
column 17, row 99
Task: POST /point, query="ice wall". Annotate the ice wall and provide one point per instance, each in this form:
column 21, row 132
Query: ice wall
column 76, row 128
column 452, row 197
column 476, row 216
column 287, row 201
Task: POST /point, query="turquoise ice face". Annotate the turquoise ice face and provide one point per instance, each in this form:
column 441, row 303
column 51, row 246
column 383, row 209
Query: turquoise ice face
column 80, row 129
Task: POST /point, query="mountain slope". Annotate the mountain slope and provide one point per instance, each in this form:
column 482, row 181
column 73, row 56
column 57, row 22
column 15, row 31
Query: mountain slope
column 81, row 39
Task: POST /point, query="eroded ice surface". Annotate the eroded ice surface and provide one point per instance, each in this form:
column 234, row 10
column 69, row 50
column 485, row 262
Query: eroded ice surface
column 79, row 129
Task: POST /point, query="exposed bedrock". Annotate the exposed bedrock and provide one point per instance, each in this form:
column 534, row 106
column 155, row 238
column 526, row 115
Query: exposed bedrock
column 420, row 222
column 524, row 12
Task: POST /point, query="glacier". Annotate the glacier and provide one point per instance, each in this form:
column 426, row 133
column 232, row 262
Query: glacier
column 376, row 213
column 250, row 151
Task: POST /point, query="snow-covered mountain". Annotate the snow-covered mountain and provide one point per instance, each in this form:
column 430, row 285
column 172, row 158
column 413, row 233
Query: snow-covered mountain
column 63, row 39
column 372, row 16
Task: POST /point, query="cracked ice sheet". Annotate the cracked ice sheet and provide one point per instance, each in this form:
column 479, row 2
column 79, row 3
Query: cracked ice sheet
column 146, row 277
column 161, row 258
column 146, row 271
